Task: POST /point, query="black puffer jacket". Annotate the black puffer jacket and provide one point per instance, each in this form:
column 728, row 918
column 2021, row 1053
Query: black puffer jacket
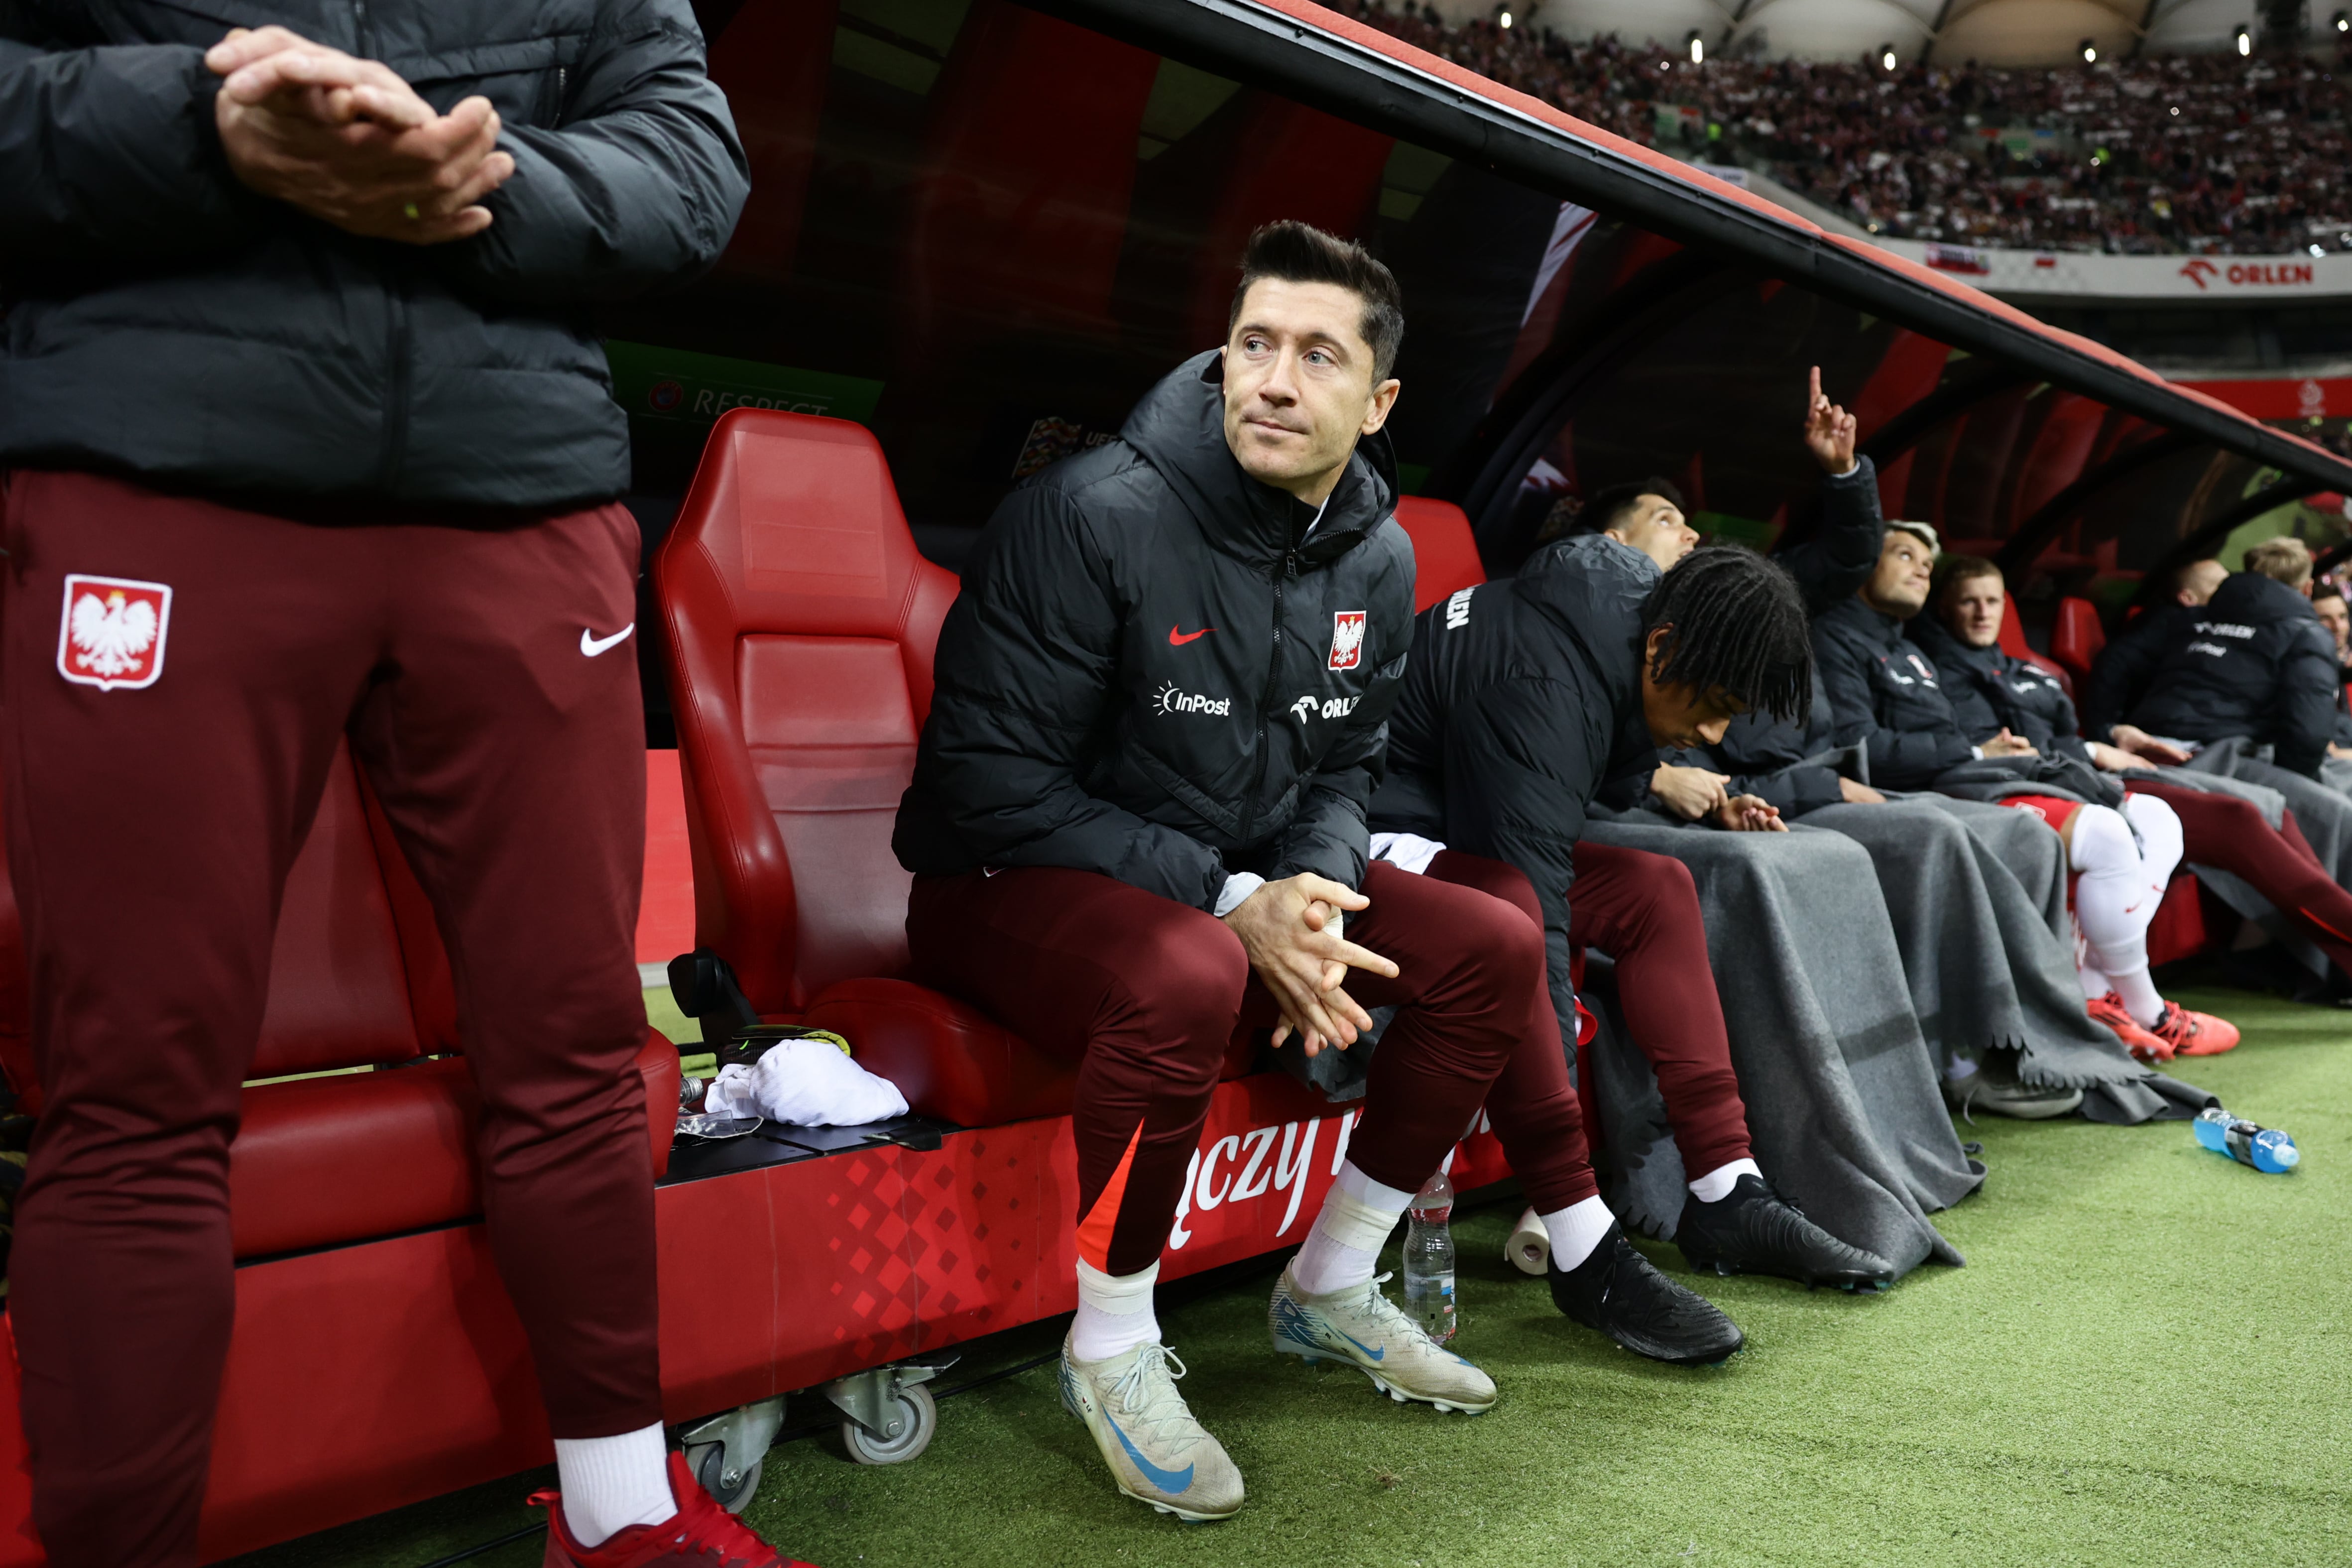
column 1766, row 756
column 1991, row 691
column 2120, row 675
column 163, row 320
column 1520, row 700
column 1148, row 674
column 2254, row 662
column 1885, row 694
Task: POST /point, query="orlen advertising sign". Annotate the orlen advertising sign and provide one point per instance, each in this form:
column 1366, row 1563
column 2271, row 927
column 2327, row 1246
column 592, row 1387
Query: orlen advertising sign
column 2229, row 279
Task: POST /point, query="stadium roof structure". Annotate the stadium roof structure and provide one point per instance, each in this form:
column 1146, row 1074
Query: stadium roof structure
column 984, row 228
column 1730, row 237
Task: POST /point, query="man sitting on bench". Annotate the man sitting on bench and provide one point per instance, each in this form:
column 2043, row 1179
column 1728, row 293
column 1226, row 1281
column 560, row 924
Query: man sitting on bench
column 1523, row 697
column 1137, row 824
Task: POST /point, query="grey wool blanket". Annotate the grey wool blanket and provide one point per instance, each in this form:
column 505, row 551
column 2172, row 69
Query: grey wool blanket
column 1843, row 1107
column 1977, row 894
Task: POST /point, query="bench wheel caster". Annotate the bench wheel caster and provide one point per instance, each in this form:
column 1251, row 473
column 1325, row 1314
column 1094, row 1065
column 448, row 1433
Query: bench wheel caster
column 713, row 1474
column 920, row 1416
column 888, row 1416
column 727, row 1452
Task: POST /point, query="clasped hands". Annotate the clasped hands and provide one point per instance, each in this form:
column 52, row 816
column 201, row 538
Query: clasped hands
column 1292, row 931
column 1692, row 793
column 349, row 142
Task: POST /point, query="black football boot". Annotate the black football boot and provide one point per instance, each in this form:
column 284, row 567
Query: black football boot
column 1618, row 1291
column 1751, row 1231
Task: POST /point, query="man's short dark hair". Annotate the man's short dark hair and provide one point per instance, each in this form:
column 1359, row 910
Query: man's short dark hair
column 1954, row 569
column 1739, row 628
column 1290, row 251
column 1607, row 506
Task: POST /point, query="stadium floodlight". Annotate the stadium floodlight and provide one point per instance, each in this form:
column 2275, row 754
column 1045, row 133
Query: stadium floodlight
column 2090, row 52
column 2343, row 20
column 1697, row 48
column 1886, row 55
column 1504, row 21
column 2245, row 37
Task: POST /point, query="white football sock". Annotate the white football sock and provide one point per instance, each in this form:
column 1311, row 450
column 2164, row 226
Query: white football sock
column 1115, row 1313
column 1576, row 1230
column 611, row 1483
column 1345, row 1244
column 2118, row 887
column 1717, row 1185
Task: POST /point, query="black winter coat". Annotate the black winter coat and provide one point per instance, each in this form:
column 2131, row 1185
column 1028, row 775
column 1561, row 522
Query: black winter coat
column 1991, row 691
column 1766, row 756
column 2254, row 662
column 2120, row 675
column 1154, row 672
column 1886, row 694
column 1520, row 700
column 164, row 321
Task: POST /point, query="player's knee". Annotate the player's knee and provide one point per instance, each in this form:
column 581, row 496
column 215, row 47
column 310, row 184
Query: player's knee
column 1189, row 995
column 2101, row 840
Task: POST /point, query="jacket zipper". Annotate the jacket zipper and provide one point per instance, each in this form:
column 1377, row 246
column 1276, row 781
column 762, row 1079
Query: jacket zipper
column 1289, row 569
column 398, row 343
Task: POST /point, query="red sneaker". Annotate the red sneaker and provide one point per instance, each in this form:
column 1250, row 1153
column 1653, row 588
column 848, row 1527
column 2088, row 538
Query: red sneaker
column 2142, row 1042
column 701, row 1535
column 2195, row 1034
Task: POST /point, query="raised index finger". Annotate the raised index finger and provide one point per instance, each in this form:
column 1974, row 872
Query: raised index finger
column 1813, row 389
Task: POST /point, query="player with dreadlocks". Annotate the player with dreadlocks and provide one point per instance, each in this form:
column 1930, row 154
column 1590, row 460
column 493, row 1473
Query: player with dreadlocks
column 1521, row 698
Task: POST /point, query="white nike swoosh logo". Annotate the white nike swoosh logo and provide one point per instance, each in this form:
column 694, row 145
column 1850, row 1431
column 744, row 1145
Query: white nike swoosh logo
column 590, row 647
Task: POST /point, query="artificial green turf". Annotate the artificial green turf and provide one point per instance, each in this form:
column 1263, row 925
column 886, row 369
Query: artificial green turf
column 2145, row 1360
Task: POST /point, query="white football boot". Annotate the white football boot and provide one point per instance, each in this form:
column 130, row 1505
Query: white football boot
column 1157, row 1452
column 1363, row 1328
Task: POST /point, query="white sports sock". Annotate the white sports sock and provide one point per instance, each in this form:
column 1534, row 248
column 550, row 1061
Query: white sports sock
column 1345, row 1244
column 2115, row 895
column 1115, row 1313
column 1576, row 1230
column 611, row 1483
column 1717, row 1185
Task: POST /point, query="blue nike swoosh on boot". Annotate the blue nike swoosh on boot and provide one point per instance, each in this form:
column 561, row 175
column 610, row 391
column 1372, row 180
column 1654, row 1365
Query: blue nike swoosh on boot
column 1375, row 1354
column 1172, row 1483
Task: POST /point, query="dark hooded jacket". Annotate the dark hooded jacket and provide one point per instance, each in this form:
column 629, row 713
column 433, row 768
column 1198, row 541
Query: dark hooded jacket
column 1991, row 691
column 1887, row 695
column 1519, row 701
column 1156, row 672
column 2254, row 661
column 2121, row 674
column 1766, row 756
column 162, row 320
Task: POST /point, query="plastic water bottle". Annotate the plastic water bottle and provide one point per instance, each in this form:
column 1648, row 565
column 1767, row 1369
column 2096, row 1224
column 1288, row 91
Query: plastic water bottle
column 2264, row 1148
column 1429, row 1259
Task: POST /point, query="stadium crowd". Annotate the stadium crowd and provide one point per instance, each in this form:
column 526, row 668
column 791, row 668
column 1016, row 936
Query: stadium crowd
column 2187, row 152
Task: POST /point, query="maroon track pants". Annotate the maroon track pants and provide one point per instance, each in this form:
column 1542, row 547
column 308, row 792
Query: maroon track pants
column 1146, row 993
column 150, row 831
column 1641, row 909
column 2227, row 833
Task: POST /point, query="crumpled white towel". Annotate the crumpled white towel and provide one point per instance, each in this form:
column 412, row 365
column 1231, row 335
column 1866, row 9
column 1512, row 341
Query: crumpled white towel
column 1409, row 851
column 805, row 1083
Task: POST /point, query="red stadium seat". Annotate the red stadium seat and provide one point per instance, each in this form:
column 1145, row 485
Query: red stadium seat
column 802, row 622
column 2076, row 638
column 358, row 979
column 1444, row 554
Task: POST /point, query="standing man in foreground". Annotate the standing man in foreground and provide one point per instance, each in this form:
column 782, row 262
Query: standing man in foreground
column 1137, row 823
column 307, row 438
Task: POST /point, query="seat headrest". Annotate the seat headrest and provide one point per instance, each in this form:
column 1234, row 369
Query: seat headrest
column 802, row 526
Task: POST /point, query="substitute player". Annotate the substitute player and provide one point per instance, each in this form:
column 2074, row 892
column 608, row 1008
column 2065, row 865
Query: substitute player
column 307, row 438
